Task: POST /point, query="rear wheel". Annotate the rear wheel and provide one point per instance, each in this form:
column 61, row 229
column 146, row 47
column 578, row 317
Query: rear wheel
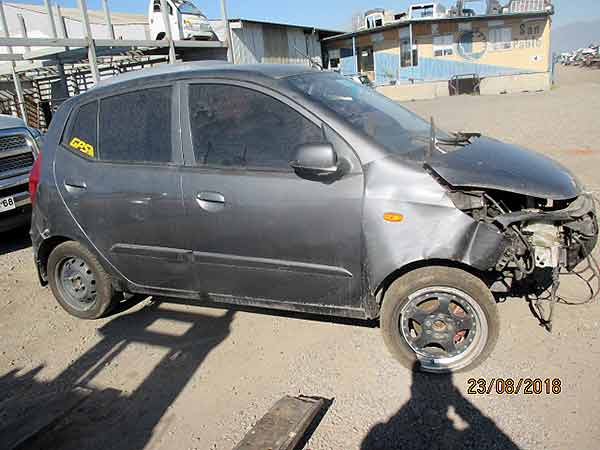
column 440, row 319
column 79, row 282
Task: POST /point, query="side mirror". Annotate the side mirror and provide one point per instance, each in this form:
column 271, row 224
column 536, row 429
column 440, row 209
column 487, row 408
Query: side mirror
column 315, row 159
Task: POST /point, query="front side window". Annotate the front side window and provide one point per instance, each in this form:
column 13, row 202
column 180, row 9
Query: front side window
column 186, row 7
column 241, row 128
column 82, row 135
column 158, row 5
column 136, row 126
column 383, row 120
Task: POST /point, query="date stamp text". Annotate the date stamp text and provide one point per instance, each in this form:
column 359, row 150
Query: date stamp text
column 514, row 386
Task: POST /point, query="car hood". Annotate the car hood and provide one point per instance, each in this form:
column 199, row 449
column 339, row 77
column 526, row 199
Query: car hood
column 490, row 164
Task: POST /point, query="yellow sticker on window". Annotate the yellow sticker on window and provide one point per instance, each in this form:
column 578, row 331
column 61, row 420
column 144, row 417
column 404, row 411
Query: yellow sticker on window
column 82, row 146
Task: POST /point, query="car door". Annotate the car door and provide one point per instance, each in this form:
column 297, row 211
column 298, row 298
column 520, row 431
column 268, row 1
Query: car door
column 257, row 229
column 118, row 170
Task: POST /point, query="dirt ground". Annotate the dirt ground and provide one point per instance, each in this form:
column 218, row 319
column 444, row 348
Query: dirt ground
column 178, row 376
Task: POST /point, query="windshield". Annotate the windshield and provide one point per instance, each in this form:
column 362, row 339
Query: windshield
column 385, row 121
column 186, row 7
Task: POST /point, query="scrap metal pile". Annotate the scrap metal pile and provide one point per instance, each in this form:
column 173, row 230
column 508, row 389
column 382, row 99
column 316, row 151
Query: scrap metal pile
column 583, row 57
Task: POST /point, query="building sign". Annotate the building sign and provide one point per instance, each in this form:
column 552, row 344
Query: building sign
column 472, row 45
column 530, row 35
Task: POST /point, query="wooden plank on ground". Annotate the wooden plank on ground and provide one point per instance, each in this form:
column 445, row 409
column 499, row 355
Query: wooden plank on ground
column 26, row 425
column 284, row 425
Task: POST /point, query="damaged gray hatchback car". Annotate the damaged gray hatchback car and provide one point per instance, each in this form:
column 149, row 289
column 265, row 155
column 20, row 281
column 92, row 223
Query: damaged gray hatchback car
column 290, row 188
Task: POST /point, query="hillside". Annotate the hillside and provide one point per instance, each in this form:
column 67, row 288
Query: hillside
column 575, row 35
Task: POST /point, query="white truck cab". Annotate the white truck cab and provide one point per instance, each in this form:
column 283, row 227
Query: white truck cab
column 187, row 21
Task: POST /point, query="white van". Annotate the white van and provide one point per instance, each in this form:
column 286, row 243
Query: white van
column 187, row 21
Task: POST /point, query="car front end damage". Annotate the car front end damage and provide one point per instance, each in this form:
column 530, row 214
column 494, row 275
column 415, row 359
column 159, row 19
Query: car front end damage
column 542, row 239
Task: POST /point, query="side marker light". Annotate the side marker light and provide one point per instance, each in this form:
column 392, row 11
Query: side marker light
column 393, row 217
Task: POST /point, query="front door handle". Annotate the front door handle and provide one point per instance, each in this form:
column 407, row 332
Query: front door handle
column 213, row 197
column 210, row 201
column 75, row 185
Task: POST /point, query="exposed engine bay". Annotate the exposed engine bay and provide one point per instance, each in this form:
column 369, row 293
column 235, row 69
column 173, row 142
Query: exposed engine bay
column 549, row 225
column 543, row 240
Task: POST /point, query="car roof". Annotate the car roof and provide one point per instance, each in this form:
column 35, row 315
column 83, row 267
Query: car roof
column 216, row 68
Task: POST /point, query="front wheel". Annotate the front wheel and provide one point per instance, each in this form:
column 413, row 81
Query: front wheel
column 439, row 319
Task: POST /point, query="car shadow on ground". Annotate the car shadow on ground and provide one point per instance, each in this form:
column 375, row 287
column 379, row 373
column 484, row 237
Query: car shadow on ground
column 14, row 240
column 437, row 416
column 110, row 418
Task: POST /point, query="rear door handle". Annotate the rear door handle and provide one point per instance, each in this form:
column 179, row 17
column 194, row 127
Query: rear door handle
column 75, row 185
column 210, row 201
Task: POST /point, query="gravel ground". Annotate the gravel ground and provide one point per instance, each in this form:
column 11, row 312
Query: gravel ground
column 179, row 376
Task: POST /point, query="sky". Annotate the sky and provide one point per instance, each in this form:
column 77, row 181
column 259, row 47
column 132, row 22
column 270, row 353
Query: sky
column 331, row 14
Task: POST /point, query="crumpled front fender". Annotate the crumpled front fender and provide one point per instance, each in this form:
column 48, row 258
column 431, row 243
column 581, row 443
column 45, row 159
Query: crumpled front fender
column 432, row 227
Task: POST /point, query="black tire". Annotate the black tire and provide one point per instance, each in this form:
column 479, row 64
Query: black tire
column 452, row 284
column 100, row 297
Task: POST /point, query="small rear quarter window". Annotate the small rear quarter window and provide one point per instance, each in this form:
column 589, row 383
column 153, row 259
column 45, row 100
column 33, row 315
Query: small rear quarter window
column 82, row 135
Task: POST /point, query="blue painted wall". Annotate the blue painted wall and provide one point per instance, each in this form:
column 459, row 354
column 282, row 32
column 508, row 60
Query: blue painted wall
column 348, row 63
column 387, row 67
column 434, row 69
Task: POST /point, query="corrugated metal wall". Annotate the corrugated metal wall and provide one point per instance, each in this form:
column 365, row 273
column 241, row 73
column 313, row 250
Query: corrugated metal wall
column 277, row 50
column 248, row 44
column 256, row 43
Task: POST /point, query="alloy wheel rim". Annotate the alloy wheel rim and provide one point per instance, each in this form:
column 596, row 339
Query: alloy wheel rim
column 77, row 283
column 445, row 327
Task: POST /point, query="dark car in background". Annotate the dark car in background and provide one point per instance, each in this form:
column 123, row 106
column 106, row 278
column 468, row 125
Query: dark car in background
column 290, row 188
column 19, row 146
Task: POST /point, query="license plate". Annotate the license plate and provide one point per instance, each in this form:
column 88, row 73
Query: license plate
column 7, row 204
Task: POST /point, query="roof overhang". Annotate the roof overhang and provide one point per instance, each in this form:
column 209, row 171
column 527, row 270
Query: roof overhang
column 406, row 23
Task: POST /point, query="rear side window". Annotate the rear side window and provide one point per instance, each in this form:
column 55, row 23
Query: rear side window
column 136, row 127
column 240, row 128
column 82, row 136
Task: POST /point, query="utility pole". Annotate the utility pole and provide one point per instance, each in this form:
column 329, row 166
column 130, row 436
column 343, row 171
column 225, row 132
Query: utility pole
column 230, row 56
column 168, row 31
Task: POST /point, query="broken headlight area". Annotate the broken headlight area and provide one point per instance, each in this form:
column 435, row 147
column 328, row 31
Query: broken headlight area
column 545, row 236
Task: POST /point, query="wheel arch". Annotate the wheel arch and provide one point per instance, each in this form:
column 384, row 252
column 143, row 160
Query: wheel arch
column 393, row 276
column 43, row 253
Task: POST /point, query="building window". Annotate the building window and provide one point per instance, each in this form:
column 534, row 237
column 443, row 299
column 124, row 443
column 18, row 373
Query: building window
column 374, row 20
column 443, row 45
column 365, row 60
column 421, row 12
column 405, row 57
column 500, row 38
column 334, row 58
